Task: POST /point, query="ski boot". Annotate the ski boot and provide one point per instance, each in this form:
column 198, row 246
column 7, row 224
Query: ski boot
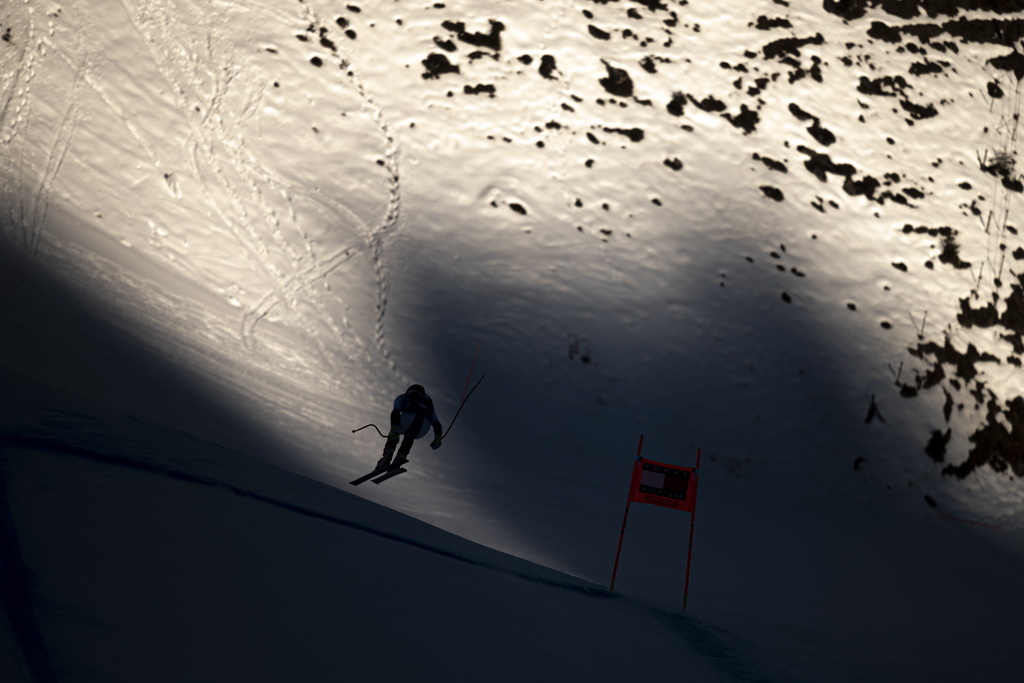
column 385, row 459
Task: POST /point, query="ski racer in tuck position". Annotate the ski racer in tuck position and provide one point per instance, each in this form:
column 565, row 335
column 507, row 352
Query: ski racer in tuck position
column 412, row 416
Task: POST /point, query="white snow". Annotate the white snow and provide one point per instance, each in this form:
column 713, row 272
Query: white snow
column 221, row 258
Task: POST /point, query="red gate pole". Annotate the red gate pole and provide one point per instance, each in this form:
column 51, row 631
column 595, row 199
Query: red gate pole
column 693, row 517
column 625, row 515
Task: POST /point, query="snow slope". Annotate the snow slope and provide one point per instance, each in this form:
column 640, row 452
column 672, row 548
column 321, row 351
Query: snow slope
column 780, row 233
column 235, row 570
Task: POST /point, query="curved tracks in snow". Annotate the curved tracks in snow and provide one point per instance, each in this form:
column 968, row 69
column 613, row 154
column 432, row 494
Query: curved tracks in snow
column 246, row 194
column 27, row 195
column 215, row 97
column 375, row 238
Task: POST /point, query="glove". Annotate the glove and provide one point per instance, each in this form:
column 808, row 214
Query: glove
column 395, row 432
column 436, row 443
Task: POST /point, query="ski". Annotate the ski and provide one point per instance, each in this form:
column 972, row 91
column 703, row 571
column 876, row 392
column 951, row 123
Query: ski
column 393, row 472
column 388, row 471
column 366, row 477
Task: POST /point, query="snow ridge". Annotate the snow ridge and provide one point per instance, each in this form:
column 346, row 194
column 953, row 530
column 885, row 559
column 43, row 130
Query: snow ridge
column 78, row 451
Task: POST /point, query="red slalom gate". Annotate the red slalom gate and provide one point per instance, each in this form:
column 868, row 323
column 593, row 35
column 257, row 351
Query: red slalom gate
column 664, row 485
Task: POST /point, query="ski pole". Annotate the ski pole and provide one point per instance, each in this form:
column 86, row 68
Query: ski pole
column 452, row 423
column 370, row 425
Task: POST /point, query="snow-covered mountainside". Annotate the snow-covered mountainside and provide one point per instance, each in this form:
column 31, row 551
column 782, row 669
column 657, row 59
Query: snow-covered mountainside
column 783, row 233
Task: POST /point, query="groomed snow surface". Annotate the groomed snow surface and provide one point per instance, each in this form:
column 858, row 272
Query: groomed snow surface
column 780, row 233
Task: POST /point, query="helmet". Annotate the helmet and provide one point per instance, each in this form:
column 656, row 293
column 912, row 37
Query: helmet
column 416, row 387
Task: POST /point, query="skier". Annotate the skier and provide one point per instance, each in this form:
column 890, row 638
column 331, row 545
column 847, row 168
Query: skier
column 412, row 416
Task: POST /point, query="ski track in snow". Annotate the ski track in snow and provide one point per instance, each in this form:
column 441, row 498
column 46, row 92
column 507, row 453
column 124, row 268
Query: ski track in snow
column 58, row 151
column 213, row 139
column 240, row 187
column 21, row 207
column 376, row 238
